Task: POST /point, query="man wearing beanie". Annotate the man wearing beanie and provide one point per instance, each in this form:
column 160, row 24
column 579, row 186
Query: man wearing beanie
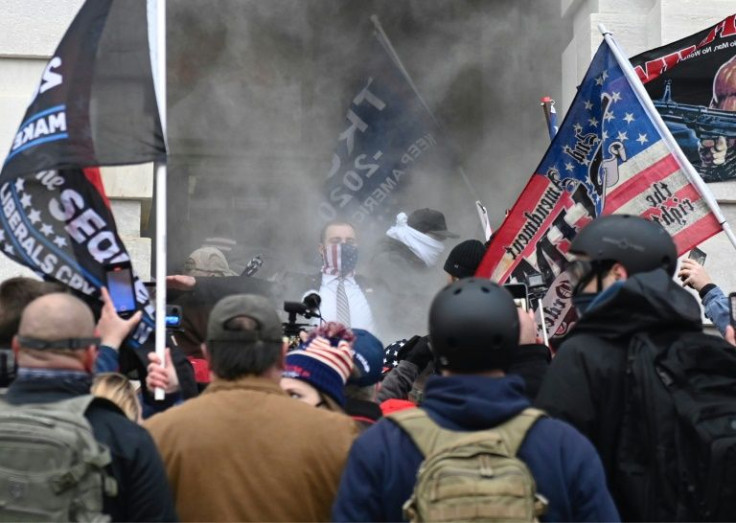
column 260, row 445
column 474, row 325
column 464, row 259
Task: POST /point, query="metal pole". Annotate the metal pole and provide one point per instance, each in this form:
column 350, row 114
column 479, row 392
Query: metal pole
column 160, row 84
column 383, row 39
column 653, row 114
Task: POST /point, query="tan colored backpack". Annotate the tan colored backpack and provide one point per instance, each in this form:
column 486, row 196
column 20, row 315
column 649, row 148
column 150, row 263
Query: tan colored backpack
column 471, row 476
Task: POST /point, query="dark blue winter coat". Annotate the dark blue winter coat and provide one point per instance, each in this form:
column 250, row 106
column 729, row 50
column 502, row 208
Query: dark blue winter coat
column 383, row 461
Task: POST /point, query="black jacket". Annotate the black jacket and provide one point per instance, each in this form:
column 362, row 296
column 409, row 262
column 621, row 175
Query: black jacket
column 143, row 489
column 584, row 385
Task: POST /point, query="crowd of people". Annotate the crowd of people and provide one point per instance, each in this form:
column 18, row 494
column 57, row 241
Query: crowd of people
column 460, row 413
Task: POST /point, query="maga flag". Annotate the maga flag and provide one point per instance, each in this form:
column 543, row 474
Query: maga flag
column 693, row 85
column 387, row 132
column 607, row 157
column 95, row 105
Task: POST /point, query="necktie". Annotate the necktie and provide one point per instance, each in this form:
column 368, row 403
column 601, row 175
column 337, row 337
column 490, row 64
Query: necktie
column 343, row 307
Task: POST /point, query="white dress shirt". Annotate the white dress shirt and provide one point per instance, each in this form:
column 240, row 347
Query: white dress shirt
column 360, row 312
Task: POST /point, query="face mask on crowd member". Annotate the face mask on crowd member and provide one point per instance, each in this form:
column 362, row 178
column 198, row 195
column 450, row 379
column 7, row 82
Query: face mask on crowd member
column 339, row 249
column 611, row 249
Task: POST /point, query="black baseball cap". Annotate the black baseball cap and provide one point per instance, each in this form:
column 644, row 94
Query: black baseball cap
column 430, row 221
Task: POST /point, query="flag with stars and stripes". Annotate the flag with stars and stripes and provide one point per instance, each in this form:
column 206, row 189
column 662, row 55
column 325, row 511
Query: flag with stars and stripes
column 95, row 105
column 607, row 157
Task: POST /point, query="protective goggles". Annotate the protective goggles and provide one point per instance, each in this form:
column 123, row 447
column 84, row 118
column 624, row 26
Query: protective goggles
column 582, row 272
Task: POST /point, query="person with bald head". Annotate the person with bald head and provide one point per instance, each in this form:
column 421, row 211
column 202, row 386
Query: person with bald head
column 55, row 349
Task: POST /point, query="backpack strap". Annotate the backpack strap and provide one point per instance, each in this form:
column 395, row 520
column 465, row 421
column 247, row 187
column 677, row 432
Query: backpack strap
column 430, row 437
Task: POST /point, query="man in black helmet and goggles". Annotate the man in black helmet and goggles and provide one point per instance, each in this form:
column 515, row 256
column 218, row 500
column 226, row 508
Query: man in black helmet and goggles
column 624, row 293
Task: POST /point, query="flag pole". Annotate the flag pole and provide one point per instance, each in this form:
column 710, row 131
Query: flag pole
column 383, row 38
column 652, row 112
column 160, row 86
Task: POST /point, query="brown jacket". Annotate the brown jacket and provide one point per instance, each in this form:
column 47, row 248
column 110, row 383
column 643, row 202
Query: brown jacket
column 245, row 451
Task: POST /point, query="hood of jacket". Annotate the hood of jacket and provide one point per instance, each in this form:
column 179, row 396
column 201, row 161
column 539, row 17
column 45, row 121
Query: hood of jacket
column 649, row 300
column 474, row 402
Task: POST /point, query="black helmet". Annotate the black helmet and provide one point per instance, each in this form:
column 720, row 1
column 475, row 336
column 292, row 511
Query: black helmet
column 639, row 245
column 474, row 326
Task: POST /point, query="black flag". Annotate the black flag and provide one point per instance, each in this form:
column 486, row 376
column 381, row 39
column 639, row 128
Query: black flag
column 95, row 104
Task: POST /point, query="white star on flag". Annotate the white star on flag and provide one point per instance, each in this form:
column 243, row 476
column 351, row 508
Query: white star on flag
column 61, row 242
column 599, row 80
column 604, row 136
column 609, row 116
column 569, row 166
column 46, row 229
column 593, row 122
column 25, row 200
column 8, row 249
column 642, row 139
column 604, row 75
column 588, row 105
column 19, row 184
column 616, row 97
column 34, row 216
column 622, row 136
column 629, row 118
column 578, row 128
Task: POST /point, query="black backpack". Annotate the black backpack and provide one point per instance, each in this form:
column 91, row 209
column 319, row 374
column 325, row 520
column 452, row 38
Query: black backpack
column 676, row 458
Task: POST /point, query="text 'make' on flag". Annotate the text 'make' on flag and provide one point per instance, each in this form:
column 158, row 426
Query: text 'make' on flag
column 607, row 157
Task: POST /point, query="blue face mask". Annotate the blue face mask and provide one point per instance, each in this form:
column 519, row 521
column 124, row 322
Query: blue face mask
column 582, row 302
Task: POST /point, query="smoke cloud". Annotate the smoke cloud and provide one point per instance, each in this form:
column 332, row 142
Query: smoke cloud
column 258, row 92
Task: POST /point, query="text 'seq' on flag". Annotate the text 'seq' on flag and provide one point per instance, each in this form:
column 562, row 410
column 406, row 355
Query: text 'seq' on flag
column 607, row 157
column 693, row 85
column 387, row 131
column 58, row 224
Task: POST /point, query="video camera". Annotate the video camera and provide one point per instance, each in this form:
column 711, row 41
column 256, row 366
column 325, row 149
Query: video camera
column 307, row 308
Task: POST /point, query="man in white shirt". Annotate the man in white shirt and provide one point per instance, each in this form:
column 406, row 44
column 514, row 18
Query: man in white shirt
column 343, row 297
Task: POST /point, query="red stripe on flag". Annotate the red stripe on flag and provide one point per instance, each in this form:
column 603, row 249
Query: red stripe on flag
column 697, row 233
column 95, row 178
column 512, row 225
column 640, row 182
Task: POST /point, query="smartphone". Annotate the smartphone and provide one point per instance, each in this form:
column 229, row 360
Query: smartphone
column 173, row 316
column 732, row 309
column 697, row 255
column 520, row 294
column 120, row 286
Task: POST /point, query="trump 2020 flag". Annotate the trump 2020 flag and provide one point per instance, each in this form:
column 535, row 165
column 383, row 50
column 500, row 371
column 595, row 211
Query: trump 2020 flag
column 94, row 105
column 608, row 157
column 387, row 132
column 693, row 85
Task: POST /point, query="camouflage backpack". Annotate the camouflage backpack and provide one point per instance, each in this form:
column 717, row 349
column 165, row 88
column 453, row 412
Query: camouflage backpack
column 51, row 466
column 471, row 476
